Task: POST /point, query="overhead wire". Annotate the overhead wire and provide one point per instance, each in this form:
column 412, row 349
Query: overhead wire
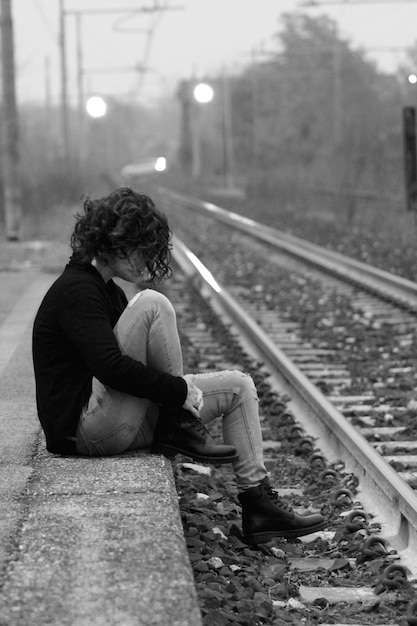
column 50, row 29
column 143, row 67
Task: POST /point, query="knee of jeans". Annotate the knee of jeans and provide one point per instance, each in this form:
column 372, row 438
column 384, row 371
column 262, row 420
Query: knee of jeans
column 155, row 300
column 244, row 384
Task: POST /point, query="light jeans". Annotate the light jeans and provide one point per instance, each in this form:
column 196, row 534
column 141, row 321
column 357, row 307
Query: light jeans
column 114, row 422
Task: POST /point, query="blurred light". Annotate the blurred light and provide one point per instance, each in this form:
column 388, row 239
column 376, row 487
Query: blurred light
column 145, row 167
column 205, row 273
column 160, row 164
column 96, row 107
column 203, row 93
column 412, row 79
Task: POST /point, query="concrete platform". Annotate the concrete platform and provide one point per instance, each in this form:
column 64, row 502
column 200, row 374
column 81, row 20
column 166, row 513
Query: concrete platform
column 83, row 542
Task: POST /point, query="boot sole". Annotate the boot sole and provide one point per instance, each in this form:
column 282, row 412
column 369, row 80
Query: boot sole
column 170, row 451
column 290, row 534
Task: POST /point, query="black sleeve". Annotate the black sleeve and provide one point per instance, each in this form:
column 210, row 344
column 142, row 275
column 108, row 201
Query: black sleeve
column 84, row 319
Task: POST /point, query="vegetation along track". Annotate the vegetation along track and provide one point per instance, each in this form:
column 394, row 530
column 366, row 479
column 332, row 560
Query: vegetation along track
column 348, row 329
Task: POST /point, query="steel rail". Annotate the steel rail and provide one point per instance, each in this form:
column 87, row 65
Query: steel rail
column 379, row 281
column 376, row 476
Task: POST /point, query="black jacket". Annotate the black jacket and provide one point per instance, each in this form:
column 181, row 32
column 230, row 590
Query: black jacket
column 73, row 341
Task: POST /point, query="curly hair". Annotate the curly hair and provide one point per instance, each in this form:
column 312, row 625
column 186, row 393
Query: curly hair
column 120, row 224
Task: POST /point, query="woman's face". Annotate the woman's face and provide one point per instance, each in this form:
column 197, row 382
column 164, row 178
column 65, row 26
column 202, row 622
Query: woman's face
column 131, row 268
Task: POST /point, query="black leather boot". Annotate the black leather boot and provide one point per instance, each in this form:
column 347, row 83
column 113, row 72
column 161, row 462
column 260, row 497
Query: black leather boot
column 265, row 516
column 180, row 432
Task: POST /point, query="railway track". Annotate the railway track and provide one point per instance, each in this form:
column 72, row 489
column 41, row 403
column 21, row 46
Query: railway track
column 296, row 582
column 368, row 424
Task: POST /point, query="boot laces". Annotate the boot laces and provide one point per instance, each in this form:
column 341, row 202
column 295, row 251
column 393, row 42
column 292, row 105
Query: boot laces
column 198, row 425
column 276, row 499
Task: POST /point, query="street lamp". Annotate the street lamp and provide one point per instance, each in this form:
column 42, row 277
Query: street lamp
column 160, row 164
column 203, row 93
column 412, row 79
column 96, row 107
column 95, row 151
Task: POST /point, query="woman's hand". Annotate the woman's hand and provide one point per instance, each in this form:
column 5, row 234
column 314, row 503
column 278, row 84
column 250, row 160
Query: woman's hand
column 194, row 400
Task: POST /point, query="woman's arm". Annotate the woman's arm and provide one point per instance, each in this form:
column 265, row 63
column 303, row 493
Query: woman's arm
column 85, row 321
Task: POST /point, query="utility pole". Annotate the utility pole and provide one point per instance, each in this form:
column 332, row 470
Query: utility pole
column 80, row 67
column 48, row 99
column 10, row 147
column 186, row 146
column 337, row 94
column 228, row 148
column 64, row 87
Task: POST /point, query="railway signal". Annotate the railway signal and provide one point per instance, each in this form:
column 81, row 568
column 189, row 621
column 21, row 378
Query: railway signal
column 410, row 159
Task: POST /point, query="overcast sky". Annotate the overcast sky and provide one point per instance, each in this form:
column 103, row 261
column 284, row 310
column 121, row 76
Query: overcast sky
column 194, row 37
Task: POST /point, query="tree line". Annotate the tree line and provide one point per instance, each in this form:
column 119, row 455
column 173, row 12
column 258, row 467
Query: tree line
column 316, row 119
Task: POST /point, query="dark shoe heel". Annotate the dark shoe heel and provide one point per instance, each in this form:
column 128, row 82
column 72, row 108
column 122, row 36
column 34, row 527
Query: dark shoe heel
column 183, row 433
column 160, row 448
column 256, row 538
column 171, row 451
column 215, row 460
